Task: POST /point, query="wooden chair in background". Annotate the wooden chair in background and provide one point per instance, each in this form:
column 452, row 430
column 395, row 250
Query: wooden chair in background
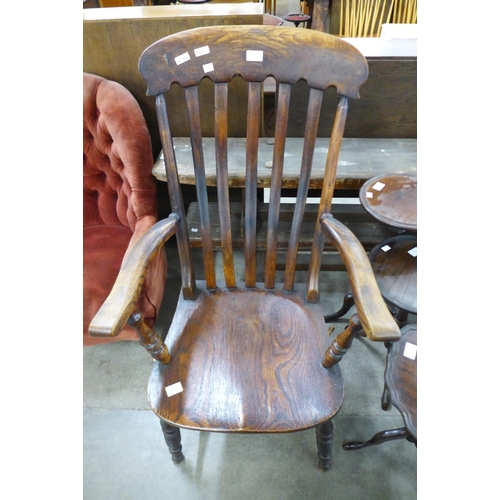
column 250, row 354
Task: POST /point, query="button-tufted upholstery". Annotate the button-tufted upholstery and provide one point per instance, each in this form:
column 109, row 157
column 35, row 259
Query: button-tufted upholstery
column 119, row 197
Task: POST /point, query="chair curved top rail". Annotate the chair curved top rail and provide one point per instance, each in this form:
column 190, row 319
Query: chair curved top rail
column 187, row 58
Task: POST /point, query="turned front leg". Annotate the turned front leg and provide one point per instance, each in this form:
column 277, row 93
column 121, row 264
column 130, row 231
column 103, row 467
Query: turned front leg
column 342, row 343
column 324, row 441
column 173, row 439
column 150, row 339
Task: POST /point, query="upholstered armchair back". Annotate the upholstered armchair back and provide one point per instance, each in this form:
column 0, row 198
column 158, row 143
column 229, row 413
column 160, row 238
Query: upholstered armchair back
column 116, row 153
column 119, row 197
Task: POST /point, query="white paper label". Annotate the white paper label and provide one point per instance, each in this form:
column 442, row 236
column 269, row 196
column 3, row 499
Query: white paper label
column 413, row 252
column 378, row 186
column 182, row 58
column 410, row 350
column 369, row 194
column 385, row 248
column 201, row 51
column 255, row 55
column 194, row 230
column 208, row 67
column 174, row 389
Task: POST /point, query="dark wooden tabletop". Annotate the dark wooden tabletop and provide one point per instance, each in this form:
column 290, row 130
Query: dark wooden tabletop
column 391, row 199
column 394, row 262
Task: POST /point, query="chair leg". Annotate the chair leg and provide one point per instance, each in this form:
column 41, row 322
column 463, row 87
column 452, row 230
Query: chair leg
column 324, row 441
column 380, row 437
column 173, row 439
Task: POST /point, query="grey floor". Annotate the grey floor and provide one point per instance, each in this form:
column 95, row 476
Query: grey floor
column 125, row 456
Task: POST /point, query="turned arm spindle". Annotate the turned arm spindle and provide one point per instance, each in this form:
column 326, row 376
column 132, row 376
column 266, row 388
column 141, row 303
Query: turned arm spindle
column 150, row 339
column 342, row 342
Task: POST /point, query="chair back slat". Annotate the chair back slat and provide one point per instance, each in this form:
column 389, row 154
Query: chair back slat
column 252, row 145
column 176, row 201
column 221, row 106
column 194, row 120
column 312, row 121
column 283, row 102
column 326, row 198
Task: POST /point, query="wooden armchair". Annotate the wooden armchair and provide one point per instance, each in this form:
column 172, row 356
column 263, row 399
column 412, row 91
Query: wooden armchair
column 243, row 355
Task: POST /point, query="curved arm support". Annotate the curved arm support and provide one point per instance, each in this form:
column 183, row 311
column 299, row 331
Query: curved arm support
column 118, row 307
column 376, row 319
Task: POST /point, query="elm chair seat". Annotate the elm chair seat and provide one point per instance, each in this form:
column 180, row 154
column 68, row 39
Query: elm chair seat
column 119, row 198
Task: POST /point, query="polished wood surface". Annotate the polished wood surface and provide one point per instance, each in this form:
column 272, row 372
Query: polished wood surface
column 246, row 355
column 363, row 281
column 401, row 377
column 249, row 361
column 394, row 263
column 391, row 199
column 120, row 304
column 359, row 160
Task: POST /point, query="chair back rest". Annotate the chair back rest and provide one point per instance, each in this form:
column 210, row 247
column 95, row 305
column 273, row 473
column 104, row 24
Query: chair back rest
column 118, row 185
column 253, row 53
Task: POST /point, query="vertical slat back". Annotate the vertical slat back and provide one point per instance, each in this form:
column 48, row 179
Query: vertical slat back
column 252, row 145
column 276, row 182
column 251, row 53
column 176, row 201
column 193, row 109
column 221, row 107
column 326, row 198
column 312, row 121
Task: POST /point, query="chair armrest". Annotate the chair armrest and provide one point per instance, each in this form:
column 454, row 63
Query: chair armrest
column 120, row 303
column 375, row 317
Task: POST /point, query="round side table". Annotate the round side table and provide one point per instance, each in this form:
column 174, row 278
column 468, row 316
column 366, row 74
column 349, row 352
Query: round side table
column 391, row 199
column 401, row 381
column 394, row 263
column 297, row 19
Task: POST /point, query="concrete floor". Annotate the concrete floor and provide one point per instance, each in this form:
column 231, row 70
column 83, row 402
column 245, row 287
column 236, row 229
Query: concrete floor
column 125, row 456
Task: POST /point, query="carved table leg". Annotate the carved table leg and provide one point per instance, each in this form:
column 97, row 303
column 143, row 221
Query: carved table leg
column 173, row 439
column 324, row 441
column 380, row 437
column 386, row 395
column 346, row 306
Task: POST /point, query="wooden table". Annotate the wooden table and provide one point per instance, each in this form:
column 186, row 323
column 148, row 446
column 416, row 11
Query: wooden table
column 401, row 381
column 391, row 199
column 401, row 376
column 360, row 160
column 394, row 263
